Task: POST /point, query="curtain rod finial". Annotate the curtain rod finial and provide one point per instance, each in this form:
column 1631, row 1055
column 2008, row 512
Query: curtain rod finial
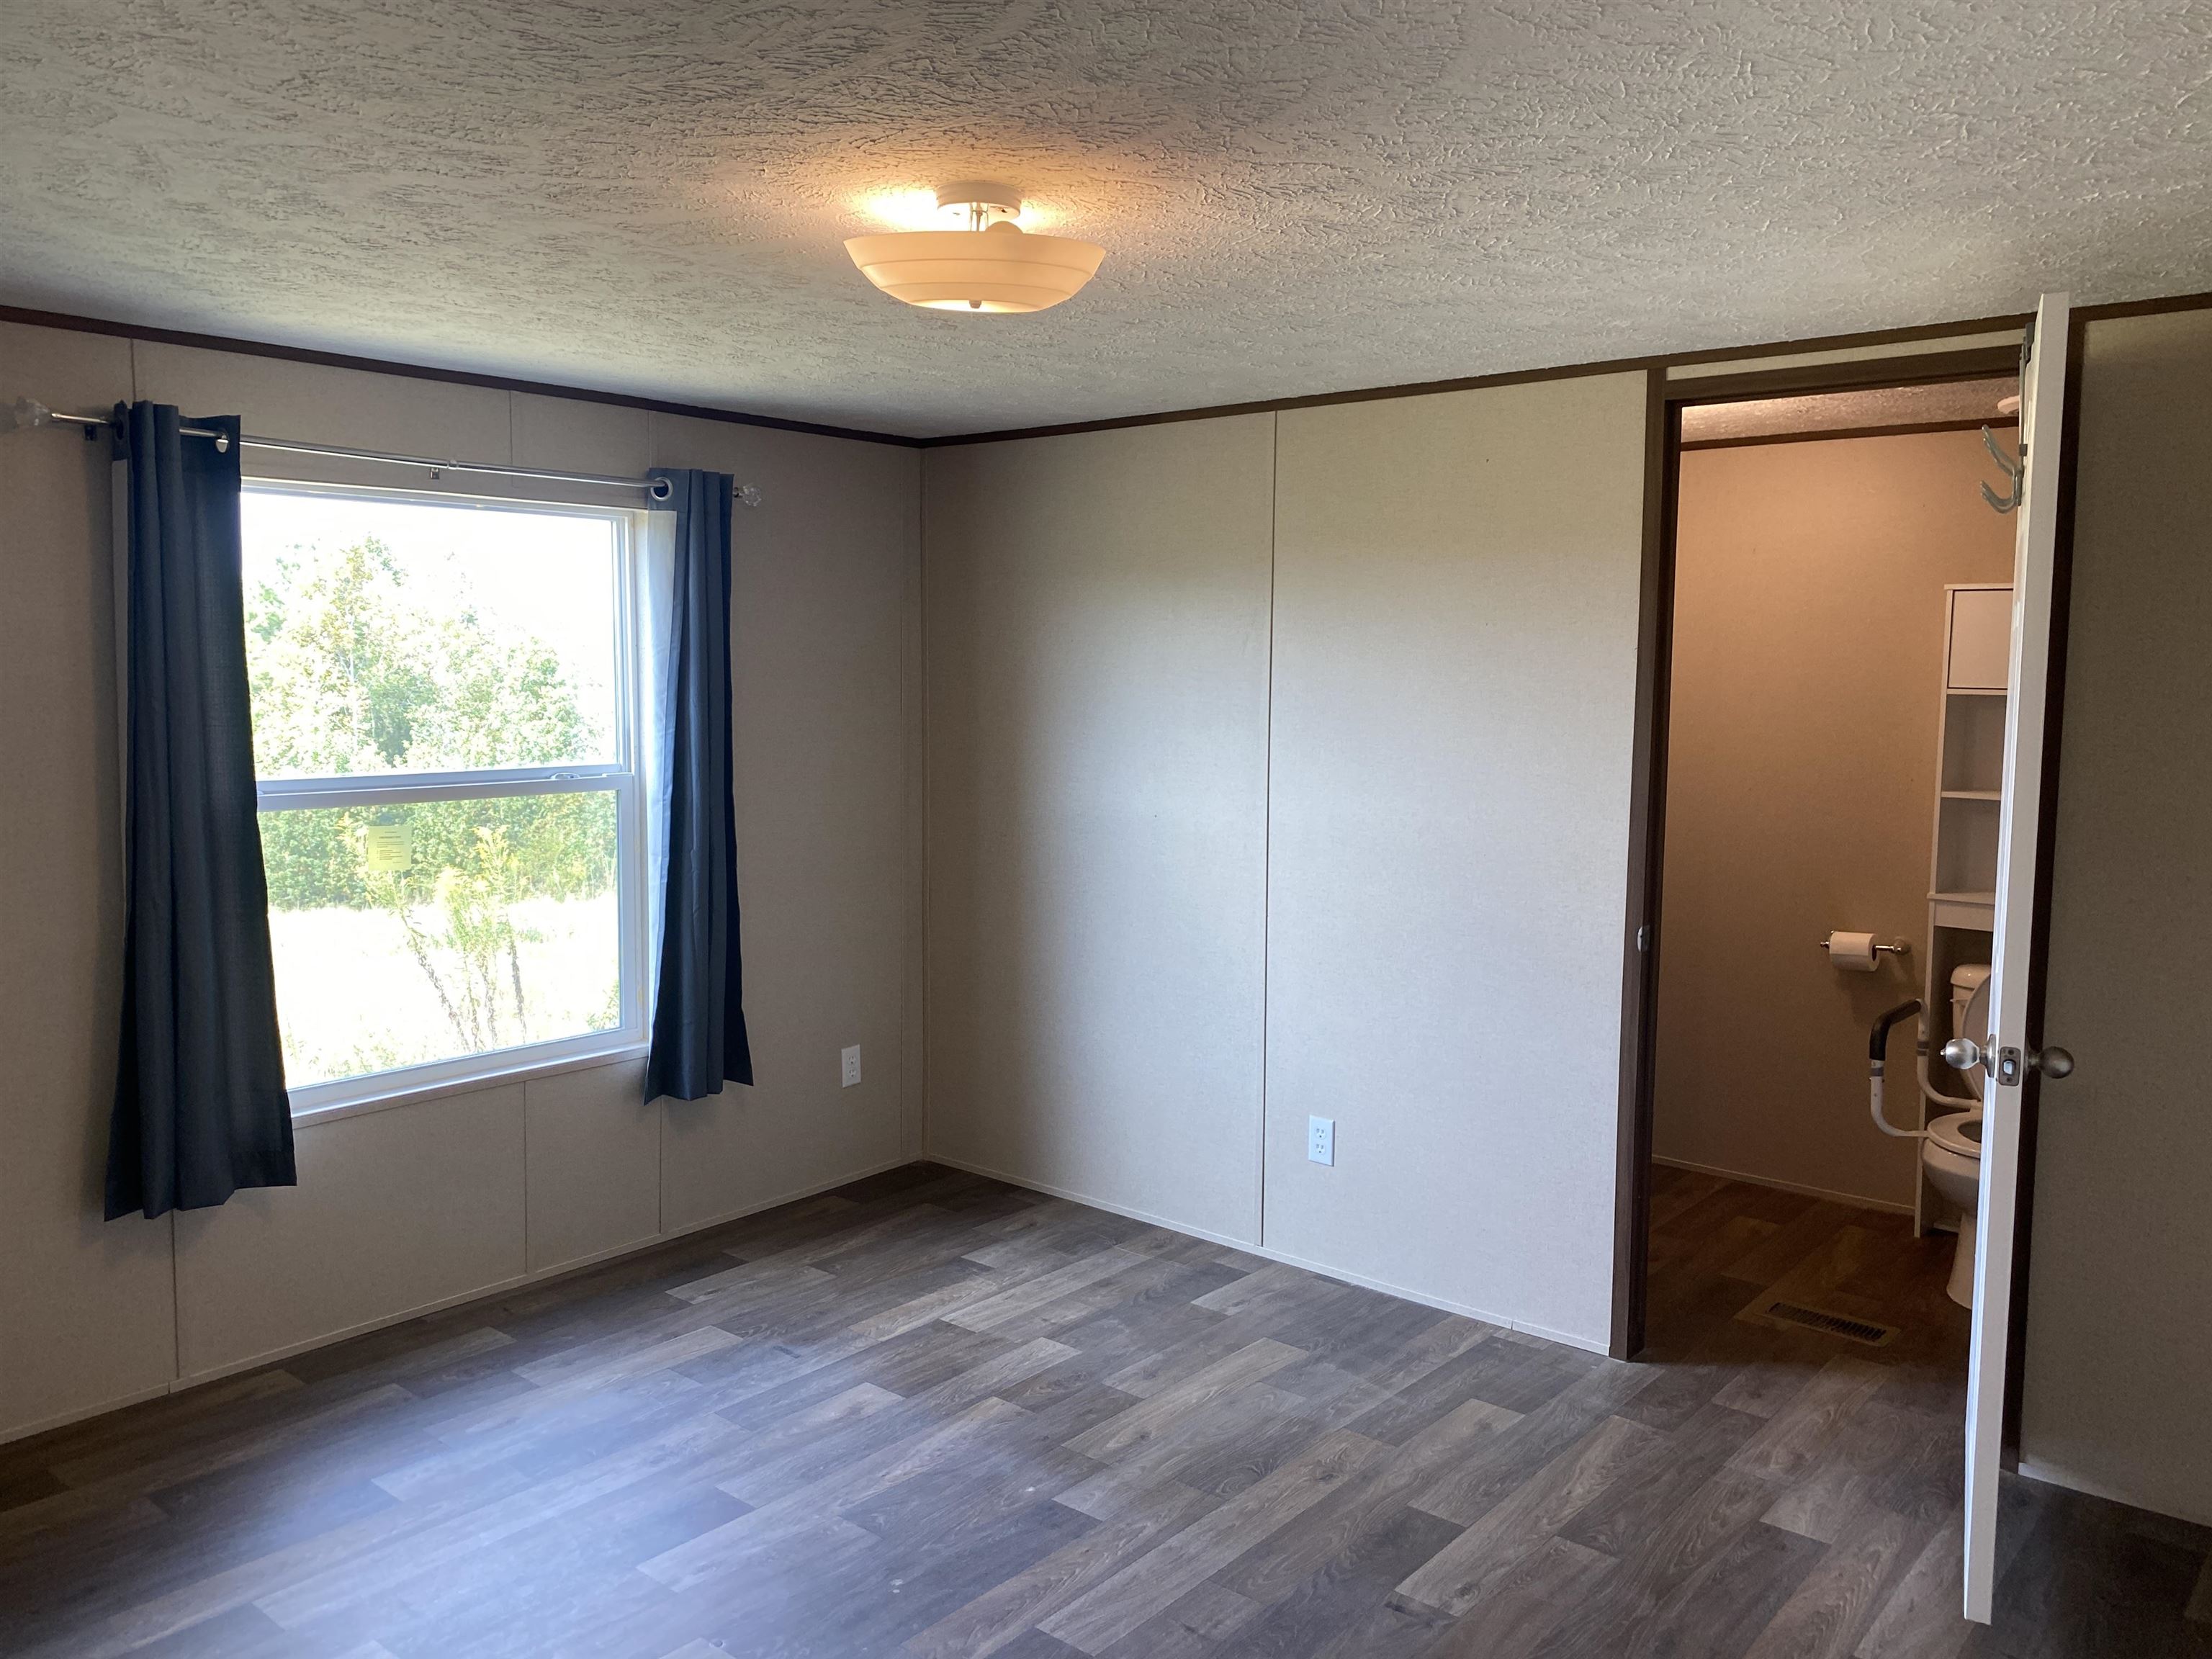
column 748, row 495
column 24, row 414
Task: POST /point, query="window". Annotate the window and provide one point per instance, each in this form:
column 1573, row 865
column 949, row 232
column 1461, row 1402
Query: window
column 447, row 740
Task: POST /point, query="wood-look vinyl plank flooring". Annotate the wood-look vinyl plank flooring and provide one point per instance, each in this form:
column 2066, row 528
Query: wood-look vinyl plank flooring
column 930, row 1416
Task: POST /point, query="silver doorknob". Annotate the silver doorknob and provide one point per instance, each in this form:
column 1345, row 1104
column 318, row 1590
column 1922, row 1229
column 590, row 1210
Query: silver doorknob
column 1963, row 1053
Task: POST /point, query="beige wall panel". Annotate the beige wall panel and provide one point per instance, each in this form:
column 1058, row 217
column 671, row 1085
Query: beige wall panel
column 395, row 1210
column 820, row 578
column 278, row 398
column 574, row 434
column 594, row 1162
column 2119, row 1315
column 1801, row 786
column 85, row 1311
column 1097, row 661
column 1455, row 617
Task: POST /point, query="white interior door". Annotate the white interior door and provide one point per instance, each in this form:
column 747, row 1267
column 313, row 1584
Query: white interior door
column 2042, row 414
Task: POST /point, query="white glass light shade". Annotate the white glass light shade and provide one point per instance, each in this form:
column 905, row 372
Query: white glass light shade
column 1002, row 268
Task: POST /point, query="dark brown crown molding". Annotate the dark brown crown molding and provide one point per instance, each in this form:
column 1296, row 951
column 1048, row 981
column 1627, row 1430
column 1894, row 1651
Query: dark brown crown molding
column 2144, row 308
column 1937, row 367
column 1949, row 365
column 451, row 376
column 1562, row 372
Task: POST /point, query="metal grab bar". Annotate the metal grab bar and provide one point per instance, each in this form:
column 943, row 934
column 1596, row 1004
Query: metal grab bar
column 1877, row 1057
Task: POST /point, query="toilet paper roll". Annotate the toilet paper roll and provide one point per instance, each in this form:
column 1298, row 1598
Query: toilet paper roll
column 1854, row 951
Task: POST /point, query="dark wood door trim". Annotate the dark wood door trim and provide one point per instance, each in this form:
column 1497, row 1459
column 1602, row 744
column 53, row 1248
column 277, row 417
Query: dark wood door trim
column 1902, row 429
column 1868, row 375
column 1647, row 824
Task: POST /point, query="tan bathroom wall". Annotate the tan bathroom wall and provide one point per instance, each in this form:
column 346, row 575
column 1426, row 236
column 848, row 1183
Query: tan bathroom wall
column 1808, row 651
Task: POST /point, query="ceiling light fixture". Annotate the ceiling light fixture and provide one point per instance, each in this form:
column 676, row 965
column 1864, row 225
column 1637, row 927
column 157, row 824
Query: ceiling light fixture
column 988, row 263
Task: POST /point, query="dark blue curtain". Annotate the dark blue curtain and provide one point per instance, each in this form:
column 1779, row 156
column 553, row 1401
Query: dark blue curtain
column 200, row 1107
column 698, row 1012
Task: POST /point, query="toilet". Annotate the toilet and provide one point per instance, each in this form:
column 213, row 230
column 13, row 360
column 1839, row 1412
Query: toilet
column 1952, row 1153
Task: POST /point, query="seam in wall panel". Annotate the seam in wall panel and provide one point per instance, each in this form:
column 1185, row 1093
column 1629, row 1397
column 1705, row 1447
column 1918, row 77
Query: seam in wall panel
column 1267, row 812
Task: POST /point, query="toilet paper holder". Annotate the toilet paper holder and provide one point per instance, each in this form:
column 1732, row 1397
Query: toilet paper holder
column 1901, row 948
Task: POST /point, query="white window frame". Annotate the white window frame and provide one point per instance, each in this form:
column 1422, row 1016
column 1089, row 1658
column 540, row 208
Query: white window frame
column 624, row 776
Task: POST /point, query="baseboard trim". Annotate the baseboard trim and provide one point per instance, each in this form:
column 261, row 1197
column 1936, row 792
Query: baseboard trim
column 1442, row 1304
column 502, row 1287
column 2051, row 1476
column 120, row 1403
column 1858, row 1201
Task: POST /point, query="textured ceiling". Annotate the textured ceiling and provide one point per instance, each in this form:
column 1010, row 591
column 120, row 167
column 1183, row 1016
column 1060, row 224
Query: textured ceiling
column 1946, row 401
column 1296, row 196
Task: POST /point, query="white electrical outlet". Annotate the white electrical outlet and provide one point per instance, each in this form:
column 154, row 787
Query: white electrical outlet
column 1321, row 1139
column 852, row 1058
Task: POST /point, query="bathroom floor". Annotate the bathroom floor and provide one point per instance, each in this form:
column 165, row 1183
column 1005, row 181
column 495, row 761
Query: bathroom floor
column 1876, row 1471
column 930, row 1416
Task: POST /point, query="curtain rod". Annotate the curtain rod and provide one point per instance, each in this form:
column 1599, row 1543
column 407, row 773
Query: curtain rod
column 27, row 413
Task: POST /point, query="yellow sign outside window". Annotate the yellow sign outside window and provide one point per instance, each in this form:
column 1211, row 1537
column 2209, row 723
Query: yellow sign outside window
column 389, row 847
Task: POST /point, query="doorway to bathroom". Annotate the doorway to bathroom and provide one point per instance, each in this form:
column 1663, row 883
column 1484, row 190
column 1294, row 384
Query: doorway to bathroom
column 1850, row 571
column 1836, row 700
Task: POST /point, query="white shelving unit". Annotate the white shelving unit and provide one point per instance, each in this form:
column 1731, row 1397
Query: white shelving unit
column 1962, row 874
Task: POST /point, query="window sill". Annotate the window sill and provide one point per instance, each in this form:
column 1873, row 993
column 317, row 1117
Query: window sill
column 414, row 1094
